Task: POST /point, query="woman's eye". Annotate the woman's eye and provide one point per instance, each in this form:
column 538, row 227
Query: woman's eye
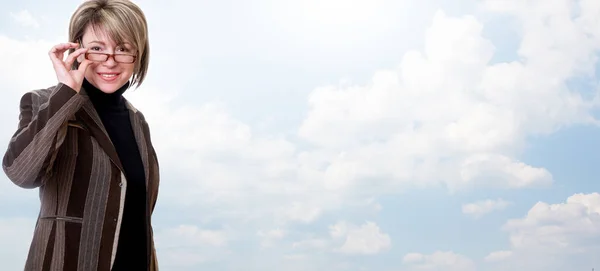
column 95, row 48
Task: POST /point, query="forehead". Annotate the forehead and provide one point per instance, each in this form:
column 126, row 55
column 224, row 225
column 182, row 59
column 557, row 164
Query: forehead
column 99, row 34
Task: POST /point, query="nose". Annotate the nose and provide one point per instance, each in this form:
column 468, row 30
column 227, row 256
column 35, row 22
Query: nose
column 110, row 62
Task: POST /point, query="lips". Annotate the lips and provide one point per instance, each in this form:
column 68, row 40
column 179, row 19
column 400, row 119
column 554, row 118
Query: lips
column 108, row 76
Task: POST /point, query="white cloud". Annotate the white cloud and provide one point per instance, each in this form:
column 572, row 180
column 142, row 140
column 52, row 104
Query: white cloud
column 310, row 244
column 181, row 258
column 27, row 65
column 25, row 18
column 439, row 260
column 269, row 238
column 190, row 235
column 481, row 208
column 366, row 239
column 186, row 246
column 570, row 227
column 15, row 236
column 563, row 234
column 215, row 143
column 302, row 212
column 501, row 171
column 295, row 257
column 498, row 256
column 444, row 114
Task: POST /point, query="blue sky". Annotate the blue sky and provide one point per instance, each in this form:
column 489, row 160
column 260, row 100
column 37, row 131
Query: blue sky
column 372, row 135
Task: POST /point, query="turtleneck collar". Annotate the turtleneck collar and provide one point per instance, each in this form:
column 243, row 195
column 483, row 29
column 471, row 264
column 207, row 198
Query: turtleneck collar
column 105, row 101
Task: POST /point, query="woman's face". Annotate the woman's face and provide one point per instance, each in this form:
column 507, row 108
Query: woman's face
column 109, row 75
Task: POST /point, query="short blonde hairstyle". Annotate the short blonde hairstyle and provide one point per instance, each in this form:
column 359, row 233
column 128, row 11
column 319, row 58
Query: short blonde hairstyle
column 123, row 21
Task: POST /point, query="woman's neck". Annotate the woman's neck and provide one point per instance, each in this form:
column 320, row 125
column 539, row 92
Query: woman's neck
column 105, row 101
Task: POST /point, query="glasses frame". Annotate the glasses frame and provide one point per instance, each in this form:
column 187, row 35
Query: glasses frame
column 107, row 56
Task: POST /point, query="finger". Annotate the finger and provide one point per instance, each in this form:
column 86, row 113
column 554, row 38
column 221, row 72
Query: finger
column 61, row 71
column 72, row 56
column 83, row 66
column 79, row 74
column 58, row 65
column 58, row 50
column 56, row 54
column 63, row 46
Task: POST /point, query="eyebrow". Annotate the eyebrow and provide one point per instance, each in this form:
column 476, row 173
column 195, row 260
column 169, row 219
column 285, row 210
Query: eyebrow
column 97, row 41
column 104, row 44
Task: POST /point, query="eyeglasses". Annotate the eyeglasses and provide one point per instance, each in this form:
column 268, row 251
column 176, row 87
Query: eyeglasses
column 101, row 57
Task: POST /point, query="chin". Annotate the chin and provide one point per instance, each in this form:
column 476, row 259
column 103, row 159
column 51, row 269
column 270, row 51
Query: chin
column 108, row 89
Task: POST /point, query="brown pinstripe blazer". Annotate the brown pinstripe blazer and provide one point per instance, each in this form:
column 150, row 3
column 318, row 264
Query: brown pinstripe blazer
column 62, row 148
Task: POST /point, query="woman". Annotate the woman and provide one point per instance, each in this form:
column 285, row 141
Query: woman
column 88, row 150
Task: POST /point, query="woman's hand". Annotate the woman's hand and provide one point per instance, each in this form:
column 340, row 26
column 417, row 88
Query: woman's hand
column 64, row 73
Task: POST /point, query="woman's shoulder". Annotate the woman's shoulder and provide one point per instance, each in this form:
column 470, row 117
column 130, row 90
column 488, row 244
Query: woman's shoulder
column 40, row 96
column 136, row 111
column 45, row 92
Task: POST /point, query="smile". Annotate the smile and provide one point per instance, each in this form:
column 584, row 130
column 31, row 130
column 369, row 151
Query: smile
column 108, row 76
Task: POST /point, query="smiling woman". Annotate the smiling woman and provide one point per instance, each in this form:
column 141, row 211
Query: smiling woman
column 88, row 150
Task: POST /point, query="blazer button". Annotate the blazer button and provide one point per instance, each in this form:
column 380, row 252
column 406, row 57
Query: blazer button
column 121, row 184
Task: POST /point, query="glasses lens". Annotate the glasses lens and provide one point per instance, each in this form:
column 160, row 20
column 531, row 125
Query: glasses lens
column 124, row 58
column 103, row 57
column 96, row 57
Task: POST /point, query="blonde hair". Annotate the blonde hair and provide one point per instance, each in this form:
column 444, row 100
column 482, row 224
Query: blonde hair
column 123, row 21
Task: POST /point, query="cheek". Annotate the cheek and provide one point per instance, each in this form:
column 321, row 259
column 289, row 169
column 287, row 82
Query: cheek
column 89, row 71
column 129, row 70
column 91, row 68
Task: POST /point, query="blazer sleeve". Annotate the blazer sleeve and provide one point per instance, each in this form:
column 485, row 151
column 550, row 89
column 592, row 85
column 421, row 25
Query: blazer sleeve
column 33, row 146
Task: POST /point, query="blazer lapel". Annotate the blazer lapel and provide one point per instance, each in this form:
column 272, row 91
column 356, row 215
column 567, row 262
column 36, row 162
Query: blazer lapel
column 98, row 131
column 90, row 117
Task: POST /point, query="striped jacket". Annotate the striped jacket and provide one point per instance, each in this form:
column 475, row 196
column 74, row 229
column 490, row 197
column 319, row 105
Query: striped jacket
column 62, row 148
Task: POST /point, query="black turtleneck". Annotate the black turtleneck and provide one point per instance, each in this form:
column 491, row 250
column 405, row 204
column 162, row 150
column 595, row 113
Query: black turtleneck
column 112, row 109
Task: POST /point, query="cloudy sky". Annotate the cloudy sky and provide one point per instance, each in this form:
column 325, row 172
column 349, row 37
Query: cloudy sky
column 387, row 135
